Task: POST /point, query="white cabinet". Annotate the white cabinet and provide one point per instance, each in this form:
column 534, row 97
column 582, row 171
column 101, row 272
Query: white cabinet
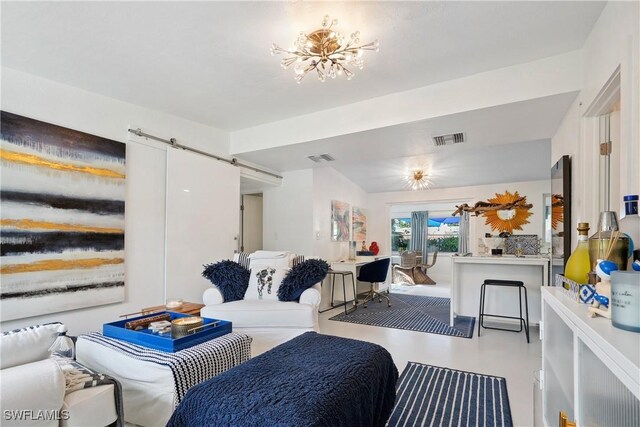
column 590, row 370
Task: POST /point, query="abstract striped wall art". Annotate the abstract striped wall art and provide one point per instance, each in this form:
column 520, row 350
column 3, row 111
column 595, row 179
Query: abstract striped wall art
column 62, row 195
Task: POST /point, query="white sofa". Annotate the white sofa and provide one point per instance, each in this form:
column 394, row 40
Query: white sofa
column 269, row 322
column 32, row 385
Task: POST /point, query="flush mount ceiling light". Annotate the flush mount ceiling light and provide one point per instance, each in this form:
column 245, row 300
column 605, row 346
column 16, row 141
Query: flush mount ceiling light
column 418, row 180
column 326, row 51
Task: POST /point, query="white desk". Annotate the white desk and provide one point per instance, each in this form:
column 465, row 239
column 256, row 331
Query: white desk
column 468, row 274
column 353, row 267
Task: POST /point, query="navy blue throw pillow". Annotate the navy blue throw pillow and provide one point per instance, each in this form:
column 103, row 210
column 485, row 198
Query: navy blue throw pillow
column 301, row 277
column 230, row 277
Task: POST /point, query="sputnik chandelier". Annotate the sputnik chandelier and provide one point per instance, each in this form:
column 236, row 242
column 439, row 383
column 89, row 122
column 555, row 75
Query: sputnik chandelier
column 418, row 180
column 326, row 51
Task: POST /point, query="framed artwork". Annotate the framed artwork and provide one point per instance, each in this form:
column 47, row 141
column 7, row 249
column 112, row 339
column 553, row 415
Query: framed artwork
column 340, row 221
column 359, row 222
column 62, row 219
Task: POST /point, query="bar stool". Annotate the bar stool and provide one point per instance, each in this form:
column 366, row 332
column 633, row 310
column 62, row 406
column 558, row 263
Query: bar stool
column 343, row 274
column 505, row 283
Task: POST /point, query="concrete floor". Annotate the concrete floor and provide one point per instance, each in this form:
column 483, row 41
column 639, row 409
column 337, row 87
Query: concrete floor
column 504, row 354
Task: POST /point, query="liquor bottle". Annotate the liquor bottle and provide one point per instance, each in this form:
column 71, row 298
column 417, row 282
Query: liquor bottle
column 579, row 263
column 609, row 243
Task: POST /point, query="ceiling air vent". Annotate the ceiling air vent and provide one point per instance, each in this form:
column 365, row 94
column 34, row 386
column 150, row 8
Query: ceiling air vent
column 321, row 157
column 449, row 139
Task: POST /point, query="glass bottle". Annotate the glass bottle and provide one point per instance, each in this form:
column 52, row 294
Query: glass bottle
column 608, row 242
column 579, row 263
column 63, row 346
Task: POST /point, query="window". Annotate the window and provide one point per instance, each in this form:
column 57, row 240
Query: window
column 400, row 234
column 442, row 233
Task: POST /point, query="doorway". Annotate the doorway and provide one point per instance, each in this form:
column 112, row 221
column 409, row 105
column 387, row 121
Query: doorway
column 251, row 222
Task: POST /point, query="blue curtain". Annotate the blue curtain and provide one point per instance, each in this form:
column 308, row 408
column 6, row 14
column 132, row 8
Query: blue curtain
column 463, row 234
column 419, row 238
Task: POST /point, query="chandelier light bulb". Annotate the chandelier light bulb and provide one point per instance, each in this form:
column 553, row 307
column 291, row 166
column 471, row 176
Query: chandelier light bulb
column 326, row 51
column 418, row 179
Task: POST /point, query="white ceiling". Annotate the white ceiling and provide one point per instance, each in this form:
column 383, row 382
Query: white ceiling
column 504, row 144
column 209, row 61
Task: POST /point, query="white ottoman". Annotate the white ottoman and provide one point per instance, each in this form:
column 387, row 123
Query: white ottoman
column 91, row 406
column 149, row 391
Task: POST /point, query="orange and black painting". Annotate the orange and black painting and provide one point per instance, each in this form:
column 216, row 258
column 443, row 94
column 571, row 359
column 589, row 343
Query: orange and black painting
column 62, row 196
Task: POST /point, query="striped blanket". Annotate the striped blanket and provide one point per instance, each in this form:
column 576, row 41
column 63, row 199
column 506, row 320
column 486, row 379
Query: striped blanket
column 78, row 377
column 190, row 366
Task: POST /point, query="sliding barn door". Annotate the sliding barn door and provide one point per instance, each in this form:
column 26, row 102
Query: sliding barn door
column 202, row 220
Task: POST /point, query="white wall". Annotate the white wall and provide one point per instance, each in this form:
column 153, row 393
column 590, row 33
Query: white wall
column 535, row 79
column 297, row 215
column 380, row 213
column 287, row 209
column 288, row 214
column 74, row 108
column 328, row 185
column 613, row 42
column 568, row 141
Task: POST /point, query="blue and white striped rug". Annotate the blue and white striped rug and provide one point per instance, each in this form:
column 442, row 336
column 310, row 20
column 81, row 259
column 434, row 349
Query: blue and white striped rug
column 432, row 396
column 411, row 312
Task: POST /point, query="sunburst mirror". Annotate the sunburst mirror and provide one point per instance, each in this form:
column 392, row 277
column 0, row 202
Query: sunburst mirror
column 507, row 219
column 557, row 210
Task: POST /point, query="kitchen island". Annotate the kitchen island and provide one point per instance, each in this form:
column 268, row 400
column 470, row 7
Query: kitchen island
column 468, row 273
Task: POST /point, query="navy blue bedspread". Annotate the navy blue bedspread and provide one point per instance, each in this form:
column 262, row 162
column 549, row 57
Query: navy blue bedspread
column 312, row 380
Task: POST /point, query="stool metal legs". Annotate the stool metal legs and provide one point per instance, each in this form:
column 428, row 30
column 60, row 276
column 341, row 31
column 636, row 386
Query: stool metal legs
column 344, row 289
column 523, row 321
column 333, row 286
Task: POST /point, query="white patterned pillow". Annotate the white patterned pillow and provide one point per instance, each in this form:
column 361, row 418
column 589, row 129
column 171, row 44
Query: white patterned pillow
column 27, row 345
column 265, row 281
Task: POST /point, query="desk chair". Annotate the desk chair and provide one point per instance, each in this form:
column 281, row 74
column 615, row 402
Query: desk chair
column 375, row 272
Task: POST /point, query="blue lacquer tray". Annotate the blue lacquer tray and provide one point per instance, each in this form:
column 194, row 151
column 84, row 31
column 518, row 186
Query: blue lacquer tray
column 166, row 343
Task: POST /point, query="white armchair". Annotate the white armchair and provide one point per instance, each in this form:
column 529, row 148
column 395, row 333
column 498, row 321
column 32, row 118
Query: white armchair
column 32, row 385
column 269, row 322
